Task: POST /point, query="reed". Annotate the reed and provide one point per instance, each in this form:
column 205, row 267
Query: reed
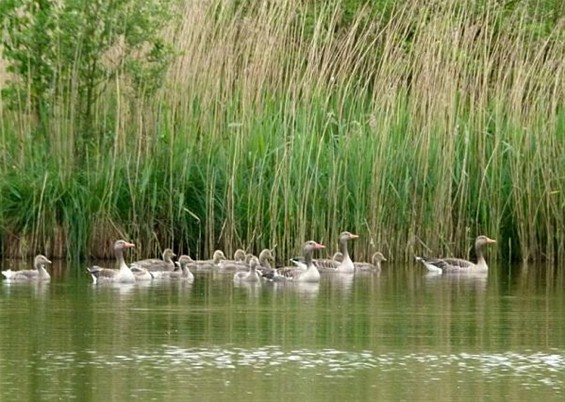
column 418, row 128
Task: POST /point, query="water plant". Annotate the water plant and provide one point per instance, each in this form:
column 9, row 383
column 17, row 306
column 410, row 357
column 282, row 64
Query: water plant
column 417, row 127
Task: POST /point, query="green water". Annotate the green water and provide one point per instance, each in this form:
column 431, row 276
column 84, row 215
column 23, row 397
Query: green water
column 399, row 336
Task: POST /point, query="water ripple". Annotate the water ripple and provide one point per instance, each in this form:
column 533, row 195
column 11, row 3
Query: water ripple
column 535, row 368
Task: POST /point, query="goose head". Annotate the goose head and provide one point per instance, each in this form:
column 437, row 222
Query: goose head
column 239, row 255
column 122, row 245
column 483, row 240
column 168, row 254
column 378, row 257
column 40, row 261
column 218, row 256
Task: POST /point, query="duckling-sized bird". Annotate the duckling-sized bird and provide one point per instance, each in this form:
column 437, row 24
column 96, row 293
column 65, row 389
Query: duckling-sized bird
column 38, row 273
column 239, row 262
column 250, row 276
column 182, row 273
column 374, row 266
column 206, row 265
column 154, row 267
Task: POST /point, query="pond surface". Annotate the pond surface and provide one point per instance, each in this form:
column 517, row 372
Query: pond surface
column 400, row 336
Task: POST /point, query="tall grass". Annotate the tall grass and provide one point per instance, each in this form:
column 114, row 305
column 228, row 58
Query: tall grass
column 418, row 130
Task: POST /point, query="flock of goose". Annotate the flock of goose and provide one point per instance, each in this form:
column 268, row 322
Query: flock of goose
column 249, row 268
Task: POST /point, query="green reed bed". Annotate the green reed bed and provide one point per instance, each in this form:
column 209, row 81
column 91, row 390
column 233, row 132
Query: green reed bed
column 417, row 129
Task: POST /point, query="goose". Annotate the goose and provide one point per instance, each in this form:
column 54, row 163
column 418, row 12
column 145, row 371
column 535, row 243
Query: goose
column 240, row 261
column 373, row 266
column 323, row 264
column 203, row 265
column 142, row 274
column 266, row 269
column 154, row 267
column 311, row 273
column 182, row 273
column 250, row 276
column 443, row 265
column 346, row 265
column 39, row 273
column 121, row 275
column 265, row 258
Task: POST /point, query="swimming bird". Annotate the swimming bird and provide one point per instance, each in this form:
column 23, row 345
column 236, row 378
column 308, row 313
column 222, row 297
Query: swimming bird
column 121, row 275
column 311, row 273
column 266, row 269
column 373, row 266
column 204, row 265
column 345, row 266
column 323, row 264
column 239, row 262
column 250, row 276
column 443, row 265
column 154, row 267
column 38, row 273
column 182, row 273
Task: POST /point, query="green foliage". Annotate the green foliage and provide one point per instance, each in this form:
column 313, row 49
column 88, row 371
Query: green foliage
column 70, row 51
column 418, row 126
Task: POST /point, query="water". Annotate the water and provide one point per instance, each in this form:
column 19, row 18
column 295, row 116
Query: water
column 399, row 336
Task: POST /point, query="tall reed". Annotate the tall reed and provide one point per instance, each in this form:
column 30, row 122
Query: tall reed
column 418, row 129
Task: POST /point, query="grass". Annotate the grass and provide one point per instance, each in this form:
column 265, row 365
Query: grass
column 418, row 132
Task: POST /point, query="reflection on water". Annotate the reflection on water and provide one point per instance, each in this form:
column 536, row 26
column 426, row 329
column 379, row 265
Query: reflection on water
column 365, row 337
column 535, row 368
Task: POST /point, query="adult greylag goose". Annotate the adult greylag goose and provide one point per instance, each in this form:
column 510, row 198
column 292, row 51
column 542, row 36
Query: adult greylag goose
column 154, row 267
column 323, row 264
column 38, row 273
column 121, row 275
column 250, row 276
column 346, row 265
column 373, row 266
column 181, row 272
column 443, row 265
column 204, row 265
column 311, row 273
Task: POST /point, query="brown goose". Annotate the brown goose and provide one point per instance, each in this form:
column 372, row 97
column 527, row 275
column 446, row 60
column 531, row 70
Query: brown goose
column 204, row 265
column 265, row 268
column 250, row 276
column 373, row 266
column 154, row 267
column 323, row 264
column 240, row 262
column 182, row 273
column 39, row 273
column 121, row 275
column 443, row 265
column 345, row 266
column 310, row 274
column 266, row 257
